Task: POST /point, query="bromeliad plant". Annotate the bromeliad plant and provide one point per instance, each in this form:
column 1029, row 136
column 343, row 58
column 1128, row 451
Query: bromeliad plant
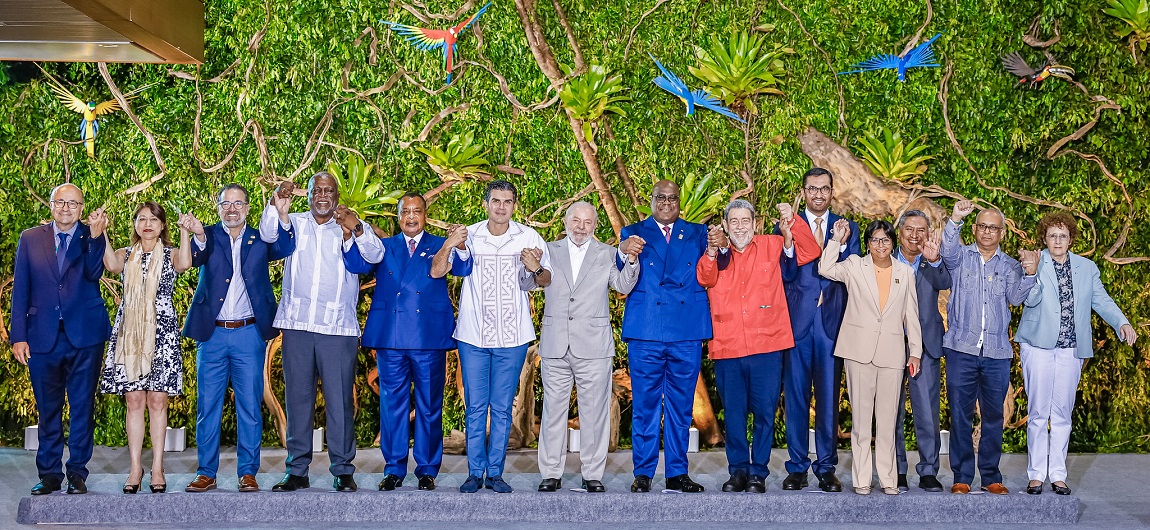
column 699, row 200
column 591, row 95
column 457, row 160
column 741, row 69
column 359, row 191
column 889, row 157
column 1136, row 15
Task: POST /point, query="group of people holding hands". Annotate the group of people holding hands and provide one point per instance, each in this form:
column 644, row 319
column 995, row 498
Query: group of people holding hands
column 785, row 313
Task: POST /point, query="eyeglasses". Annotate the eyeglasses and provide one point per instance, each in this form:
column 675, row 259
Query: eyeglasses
column 990, row 229
column 1058, row 237
column 232, row 205
column 821, row 190
column 60, row 203
column 879, row 241
column 666, row 199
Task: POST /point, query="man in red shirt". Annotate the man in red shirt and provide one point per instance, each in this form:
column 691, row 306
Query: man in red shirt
column 751, row 328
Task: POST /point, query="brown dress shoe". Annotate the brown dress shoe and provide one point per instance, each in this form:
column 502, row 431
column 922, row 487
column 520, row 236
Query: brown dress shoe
column 997, row 488
column 248, row 483
column 960, row 488
column 201, row 484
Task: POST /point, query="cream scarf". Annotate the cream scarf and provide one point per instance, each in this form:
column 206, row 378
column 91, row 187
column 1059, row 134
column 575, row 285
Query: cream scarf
column 136, row 342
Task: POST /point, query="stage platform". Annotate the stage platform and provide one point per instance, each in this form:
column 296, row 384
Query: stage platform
column 1108, row 493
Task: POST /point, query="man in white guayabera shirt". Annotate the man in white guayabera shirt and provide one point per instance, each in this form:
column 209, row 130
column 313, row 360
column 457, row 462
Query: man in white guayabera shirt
column 318, row 319
column 494, row 329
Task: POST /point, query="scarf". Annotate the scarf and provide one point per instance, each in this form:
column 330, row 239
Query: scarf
column 136, row 341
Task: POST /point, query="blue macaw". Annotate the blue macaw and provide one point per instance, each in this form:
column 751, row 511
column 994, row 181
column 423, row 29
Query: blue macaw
column 698, row 98
column 430, row 39
column 922, row 56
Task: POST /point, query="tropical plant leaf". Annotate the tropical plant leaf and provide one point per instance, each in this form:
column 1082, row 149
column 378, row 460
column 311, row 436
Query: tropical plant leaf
column 359, row 191
column 889, row 157
column 741, row 69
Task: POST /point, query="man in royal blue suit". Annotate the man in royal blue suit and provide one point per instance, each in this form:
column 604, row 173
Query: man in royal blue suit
column 231, row 320
column 410, row 326
column 666, row 320
column 816, row 305
column 59, row 326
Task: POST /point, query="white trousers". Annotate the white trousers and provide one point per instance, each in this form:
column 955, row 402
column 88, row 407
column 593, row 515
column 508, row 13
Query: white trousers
column 592, row 380
column 1051, row 378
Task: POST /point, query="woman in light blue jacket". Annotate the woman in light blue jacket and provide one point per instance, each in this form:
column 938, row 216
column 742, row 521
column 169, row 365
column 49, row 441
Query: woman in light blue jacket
column 1054, row 337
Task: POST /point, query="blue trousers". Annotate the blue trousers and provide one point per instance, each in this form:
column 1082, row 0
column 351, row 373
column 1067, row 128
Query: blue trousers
column 924, row 406
column 490, row 378
column 663, row 379
column 398, row 371
column 749, row 385
column 977, row 379
column 235, row 356
column 812, row 362
column 69, row 373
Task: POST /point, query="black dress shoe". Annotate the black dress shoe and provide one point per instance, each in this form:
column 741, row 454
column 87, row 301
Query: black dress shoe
column 1035, row 490
column 427, row 483
column 642, row 484
column 737, row 483
column 593, row 486
column 550, row 484
column 756, row 484
column 76, row 485
column 929, row 483
column 389, row 482
column 344, row 483
column 684, row 484
column 291, row 483
column 795, row 481
column 902, row 484
column 46, row 486
column 1061, row 490
column 829, row 483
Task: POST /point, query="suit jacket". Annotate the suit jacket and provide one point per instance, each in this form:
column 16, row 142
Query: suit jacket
column 868, row 334
column 410, row 310
column 577, row 314
column 215, row 263
column 1041, row 314
column 37, row 308
column 803, row 292
column 929, row 281
column 667, row 303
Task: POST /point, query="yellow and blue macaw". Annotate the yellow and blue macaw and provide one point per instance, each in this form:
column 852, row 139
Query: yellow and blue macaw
column 430, row 39
column 922, row 56
column 698, row 98
column 89, row 127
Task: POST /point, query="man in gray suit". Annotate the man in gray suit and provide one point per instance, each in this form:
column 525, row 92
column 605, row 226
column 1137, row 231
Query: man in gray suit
column 920, row 249
column 577, row 344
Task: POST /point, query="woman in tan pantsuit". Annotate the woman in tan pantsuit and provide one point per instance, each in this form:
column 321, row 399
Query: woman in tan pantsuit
column 879, row 328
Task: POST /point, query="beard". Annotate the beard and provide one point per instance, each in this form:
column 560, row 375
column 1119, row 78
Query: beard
column 741, row 242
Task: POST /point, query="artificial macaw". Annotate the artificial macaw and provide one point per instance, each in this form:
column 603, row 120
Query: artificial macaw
column 1015, row 64
column 698, row 98
column 922, row 56
column 90, row 110
column 430, row 39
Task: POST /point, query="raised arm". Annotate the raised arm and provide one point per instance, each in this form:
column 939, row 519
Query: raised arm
column 829, row 266
column 444, row 261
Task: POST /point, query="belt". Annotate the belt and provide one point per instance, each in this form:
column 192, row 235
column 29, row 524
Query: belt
column 233, row 324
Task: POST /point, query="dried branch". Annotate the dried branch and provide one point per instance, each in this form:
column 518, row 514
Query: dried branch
column 428, row 17
column 631, row 36
column 1077, row 135
column 1125, row 231
column 1031, row 37
column 580, row 64
column 918, row 34
column 506, row 90
column 127, row 108
column 842, row 119
column 440, row 116
column 559, row 205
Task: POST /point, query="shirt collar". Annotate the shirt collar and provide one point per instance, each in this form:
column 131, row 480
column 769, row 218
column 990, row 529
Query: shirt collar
column 901, row 257
column 71, row 231
column 418, row 237
column 661, row 225
column 578, row 248
column 811, row 218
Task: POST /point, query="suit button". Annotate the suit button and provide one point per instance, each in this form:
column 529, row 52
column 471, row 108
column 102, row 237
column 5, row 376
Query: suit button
column 416, row 310
column 396, row 294
column 570, row 318
column 416, row 292
column 57, row 308
column 228, row 280
column 658, row 303
column 221, row 299
column 572, row 299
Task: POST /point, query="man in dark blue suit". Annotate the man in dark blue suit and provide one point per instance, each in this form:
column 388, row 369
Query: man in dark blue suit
column 816, row 305
column 59, row 326
column 410, row 326
column 666, row 320
column 231, row 320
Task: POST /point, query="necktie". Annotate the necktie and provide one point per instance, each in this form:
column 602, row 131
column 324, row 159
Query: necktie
column 61, row 250
column 819, row 234
column 667, row 233
column 410, row 247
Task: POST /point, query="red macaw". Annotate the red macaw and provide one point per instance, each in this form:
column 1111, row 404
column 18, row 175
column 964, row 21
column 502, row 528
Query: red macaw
column 429, row 39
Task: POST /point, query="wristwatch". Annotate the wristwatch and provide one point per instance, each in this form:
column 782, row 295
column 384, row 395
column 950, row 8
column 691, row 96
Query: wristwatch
column 539, row 272
column 358, row 230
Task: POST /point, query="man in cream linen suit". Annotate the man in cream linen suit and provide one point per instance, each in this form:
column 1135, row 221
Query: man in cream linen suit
column 577, row 344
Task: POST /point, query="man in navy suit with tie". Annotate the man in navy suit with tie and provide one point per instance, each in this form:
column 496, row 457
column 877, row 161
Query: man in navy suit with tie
column 231, row 320
column 816, row 305
column 59, row 326
column 666, row 320
column 410, row 326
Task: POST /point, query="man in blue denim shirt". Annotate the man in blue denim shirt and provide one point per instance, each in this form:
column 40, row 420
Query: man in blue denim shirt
column 976, row 344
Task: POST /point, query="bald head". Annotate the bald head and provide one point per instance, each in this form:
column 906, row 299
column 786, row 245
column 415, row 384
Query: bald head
column 67, row 203
column 665, row 202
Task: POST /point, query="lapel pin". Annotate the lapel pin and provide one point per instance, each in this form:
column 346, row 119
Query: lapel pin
column 422, row 254
column 896, row 280
column 680, row 236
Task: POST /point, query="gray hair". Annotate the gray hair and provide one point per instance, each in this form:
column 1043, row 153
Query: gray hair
column 737, row 204
column 913, row 213
column 580, row 204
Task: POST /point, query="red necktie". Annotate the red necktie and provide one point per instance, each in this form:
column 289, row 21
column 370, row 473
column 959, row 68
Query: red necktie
column 410, row 247
column 667, row 233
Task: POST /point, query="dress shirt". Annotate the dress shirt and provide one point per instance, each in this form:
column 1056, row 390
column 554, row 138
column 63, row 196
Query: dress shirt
column 917, row 259
column 68, row 240
column 826, row 228
column 237, row 305
column 319, row 294
column 578, row 253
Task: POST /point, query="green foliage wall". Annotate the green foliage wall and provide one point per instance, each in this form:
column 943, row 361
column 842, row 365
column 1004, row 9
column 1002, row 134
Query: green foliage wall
column 282, row 87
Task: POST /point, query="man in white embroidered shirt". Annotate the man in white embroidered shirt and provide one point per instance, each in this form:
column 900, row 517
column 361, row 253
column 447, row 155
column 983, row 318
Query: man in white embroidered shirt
column 317, row 314
column 494, row 328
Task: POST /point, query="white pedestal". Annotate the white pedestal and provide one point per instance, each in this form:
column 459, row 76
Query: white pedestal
column 811, row 442
column 693, row 441
column 572, row 440
column 944, row 442
column 31, row 438
column 175, row 440
column 317, row 440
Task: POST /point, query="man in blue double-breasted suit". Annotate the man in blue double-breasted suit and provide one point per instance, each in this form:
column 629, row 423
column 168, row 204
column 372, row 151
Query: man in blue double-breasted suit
column 231, row 320
column 816, row 306
column 666, row 320
column 410, row 326
column 59, row 326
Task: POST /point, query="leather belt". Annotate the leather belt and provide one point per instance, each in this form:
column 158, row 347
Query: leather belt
column 233, row 324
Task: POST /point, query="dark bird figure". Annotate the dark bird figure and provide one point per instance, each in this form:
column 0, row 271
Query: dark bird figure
column 1015, row 64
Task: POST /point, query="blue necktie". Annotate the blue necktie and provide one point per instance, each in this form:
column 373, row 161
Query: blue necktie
column 61, row 250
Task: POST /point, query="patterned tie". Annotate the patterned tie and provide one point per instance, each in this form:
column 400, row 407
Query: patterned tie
column 667, row 233
column 61, row 250
column 410, row 247
column 819, row 234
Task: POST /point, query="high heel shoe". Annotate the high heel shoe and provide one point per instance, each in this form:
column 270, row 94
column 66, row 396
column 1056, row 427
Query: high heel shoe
column 131, row 489
column 158, row 488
